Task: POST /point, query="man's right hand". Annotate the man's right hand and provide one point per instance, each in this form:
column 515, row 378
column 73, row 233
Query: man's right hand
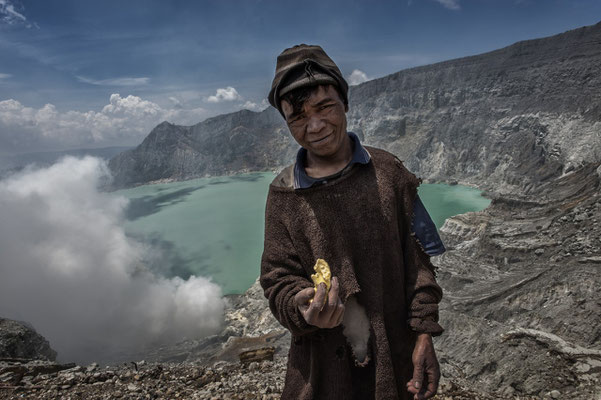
column 324, row 311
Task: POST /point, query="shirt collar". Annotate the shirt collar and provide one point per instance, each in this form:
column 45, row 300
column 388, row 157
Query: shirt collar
column 304, row 181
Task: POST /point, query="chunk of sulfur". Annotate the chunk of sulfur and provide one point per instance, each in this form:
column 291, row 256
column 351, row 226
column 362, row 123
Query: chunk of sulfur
column 322, row 274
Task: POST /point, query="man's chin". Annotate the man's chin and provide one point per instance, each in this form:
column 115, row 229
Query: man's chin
column 322, row 153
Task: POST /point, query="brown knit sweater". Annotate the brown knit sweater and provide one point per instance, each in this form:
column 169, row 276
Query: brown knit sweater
column 361, row 225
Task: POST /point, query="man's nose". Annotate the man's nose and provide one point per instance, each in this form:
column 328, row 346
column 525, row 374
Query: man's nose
column 315, row 124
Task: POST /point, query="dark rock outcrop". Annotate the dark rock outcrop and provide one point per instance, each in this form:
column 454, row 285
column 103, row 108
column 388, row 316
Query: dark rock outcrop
column 237, row 142
column 20, row 341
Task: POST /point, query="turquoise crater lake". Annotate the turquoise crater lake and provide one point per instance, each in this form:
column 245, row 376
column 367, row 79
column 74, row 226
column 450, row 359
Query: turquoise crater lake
column 213, row 227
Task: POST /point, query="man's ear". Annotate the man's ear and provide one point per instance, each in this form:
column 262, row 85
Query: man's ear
column 286, row 107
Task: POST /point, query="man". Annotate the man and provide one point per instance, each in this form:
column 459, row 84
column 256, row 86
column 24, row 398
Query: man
column 357, row 208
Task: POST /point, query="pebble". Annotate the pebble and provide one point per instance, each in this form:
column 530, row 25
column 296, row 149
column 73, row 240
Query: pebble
column 133, row 388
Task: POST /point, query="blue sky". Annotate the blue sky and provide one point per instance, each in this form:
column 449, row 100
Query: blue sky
column 76, row 73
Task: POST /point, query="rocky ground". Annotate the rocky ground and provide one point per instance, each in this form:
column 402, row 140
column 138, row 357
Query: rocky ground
column 142, row 380
column 206, row 369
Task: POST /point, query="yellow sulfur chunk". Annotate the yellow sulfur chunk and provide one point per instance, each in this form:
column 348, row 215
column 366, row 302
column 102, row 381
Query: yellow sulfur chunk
column 322, row 274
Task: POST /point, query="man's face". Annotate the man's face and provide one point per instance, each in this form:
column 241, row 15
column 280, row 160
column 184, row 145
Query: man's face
column 320, row 127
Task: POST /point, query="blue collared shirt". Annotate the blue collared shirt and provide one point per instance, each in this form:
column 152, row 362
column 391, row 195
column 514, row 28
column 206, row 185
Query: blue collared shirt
column 424, row 228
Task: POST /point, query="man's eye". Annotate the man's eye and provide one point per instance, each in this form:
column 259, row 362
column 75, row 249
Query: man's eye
column 296, row 120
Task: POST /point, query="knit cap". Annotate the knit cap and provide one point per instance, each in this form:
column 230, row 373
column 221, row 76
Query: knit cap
column 304, row 65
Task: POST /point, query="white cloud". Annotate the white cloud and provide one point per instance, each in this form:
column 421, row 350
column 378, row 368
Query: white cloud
column 125, row 81
column 250, row 105
column 131, row 105
column 356, row 77
column 227, row 94
column 10, row 16
column 69, row 269
column 5, row 76
column 176, row 102
column 8, row 13
column 450, row 4
column 124, row 121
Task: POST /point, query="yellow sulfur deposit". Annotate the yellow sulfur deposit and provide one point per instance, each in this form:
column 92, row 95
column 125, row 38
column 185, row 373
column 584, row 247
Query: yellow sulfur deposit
column 322, row 274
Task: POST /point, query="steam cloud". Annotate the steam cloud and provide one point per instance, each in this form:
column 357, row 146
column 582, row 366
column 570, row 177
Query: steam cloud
column 68, row 268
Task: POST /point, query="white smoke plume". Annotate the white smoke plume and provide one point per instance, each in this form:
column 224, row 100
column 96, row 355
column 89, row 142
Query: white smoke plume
column 68, row 268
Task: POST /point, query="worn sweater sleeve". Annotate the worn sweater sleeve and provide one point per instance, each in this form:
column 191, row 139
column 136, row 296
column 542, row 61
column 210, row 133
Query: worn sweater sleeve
column 282, row 275
column 422, row 291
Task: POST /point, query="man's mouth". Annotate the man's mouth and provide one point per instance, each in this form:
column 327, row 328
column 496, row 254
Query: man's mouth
column 320, row 140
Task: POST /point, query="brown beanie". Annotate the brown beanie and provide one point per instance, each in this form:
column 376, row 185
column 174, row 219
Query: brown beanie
column 304, row 65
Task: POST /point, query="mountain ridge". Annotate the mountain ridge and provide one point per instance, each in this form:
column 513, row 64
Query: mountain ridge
column 531, row 88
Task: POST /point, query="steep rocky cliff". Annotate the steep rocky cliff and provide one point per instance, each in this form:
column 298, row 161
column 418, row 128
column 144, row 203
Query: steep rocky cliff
column 236, row 142
column 505, row 120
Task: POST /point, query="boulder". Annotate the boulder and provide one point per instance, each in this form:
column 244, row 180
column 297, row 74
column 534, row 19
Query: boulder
column 19, row 340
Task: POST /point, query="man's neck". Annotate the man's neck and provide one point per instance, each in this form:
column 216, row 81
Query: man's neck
column 318, row 167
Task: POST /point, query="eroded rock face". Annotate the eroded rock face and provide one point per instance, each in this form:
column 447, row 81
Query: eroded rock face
column 505, row 121
column 18, row 340
column 521, row 304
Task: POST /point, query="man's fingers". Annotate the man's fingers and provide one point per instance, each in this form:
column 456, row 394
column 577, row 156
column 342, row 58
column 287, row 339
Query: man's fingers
column 418, row 374
column 333, row 295
column 326, row 310
column 338, row 313
column 410, row 387
column 302, row 302
column 302, row 298
column 320, row 297
column 431, row 391
column 433, row 372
